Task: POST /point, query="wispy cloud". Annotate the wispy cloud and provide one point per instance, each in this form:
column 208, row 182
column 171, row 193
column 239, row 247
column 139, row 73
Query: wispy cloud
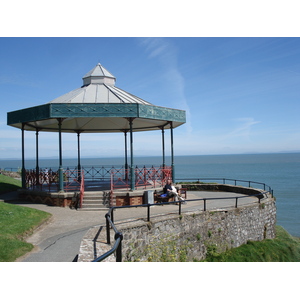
column 157, row 47
column 166, row 52
column 243, row 129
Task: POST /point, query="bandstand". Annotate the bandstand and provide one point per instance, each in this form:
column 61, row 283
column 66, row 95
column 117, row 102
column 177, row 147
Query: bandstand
column 98, row 106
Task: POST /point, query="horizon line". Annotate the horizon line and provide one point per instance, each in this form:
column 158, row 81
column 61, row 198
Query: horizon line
column 103, row 157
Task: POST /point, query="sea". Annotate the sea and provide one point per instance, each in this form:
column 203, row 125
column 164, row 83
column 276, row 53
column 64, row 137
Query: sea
column 280, row 171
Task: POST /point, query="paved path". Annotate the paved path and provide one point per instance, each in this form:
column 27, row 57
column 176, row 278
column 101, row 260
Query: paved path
column 60, row 238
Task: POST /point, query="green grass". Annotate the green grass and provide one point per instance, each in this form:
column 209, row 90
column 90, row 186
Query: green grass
column 16, row 222
column 284, row 248
column 8, row 184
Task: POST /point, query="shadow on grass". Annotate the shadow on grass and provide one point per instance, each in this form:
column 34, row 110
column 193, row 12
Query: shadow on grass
column 8, row 187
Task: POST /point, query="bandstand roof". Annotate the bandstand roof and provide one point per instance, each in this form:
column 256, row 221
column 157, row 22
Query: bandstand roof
column 97, row 106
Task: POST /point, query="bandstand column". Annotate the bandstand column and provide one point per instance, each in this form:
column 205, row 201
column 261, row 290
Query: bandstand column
column 172, row 153
column 37, row 168
column 163, row 146
column 126, row 155
column 78, row 156
column 132, row 174
column 60, row 170
column 23, row 158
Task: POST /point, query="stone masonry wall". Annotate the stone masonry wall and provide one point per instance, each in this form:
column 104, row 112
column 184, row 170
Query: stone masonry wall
column 197, row 233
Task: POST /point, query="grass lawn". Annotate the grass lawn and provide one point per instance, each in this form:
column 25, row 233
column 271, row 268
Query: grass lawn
column 16, row 222
column 8, row 184
column 284, row 248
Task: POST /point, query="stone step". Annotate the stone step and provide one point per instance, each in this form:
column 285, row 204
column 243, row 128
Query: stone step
column 93, row 201
column 92, row 196
column 94, row 193
column 103, row 208
column 93, row 206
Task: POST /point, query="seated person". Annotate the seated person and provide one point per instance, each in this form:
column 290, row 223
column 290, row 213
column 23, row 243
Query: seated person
column 171, row 191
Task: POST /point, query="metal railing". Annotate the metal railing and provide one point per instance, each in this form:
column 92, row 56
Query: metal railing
column 99, row 173
column 146, row 177
column 117, row 247
column 48, row 180
column 119, row 177
column 81, row 191
column 225, row 181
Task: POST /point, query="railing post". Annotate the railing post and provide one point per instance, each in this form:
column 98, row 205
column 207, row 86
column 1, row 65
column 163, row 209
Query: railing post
column 112, row 215
column 236, row 202
column 107, row 229
column 119, row 249
column 148, row 212
column 111, row 180
column 23, row 158
column 145, row 176
column 204, row 203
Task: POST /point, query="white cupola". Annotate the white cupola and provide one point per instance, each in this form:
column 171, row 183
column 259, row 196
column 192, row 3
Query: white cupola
column 99, row 75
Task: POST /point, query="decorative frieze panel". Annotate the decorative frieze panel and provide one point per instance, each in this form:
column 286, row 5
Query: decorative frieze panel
column 31, row 114
column 93, row 110
column 161, row 113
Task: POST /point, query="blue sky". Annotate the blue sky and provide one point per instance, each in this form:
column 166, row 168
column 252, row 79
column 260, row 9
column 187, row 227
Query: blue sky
column 241, row 95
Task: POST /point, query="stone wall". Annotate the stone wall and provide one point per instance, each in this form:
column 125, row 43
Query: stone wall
column 190, row 236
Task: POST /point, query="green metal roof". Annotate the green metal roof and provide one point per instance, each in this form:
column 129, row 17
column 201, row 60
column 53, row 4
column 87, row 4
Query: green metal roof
column 98, row 106
column 95, row 117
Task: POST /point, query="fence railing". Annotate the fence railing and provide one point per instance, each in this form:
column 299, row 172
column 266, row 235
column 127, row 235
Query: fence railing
column 117, row 247
column 48, row 180
column 119, row 177
column 81, row 191
column 248, row 183
column 146, row 177
column 99, row 173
